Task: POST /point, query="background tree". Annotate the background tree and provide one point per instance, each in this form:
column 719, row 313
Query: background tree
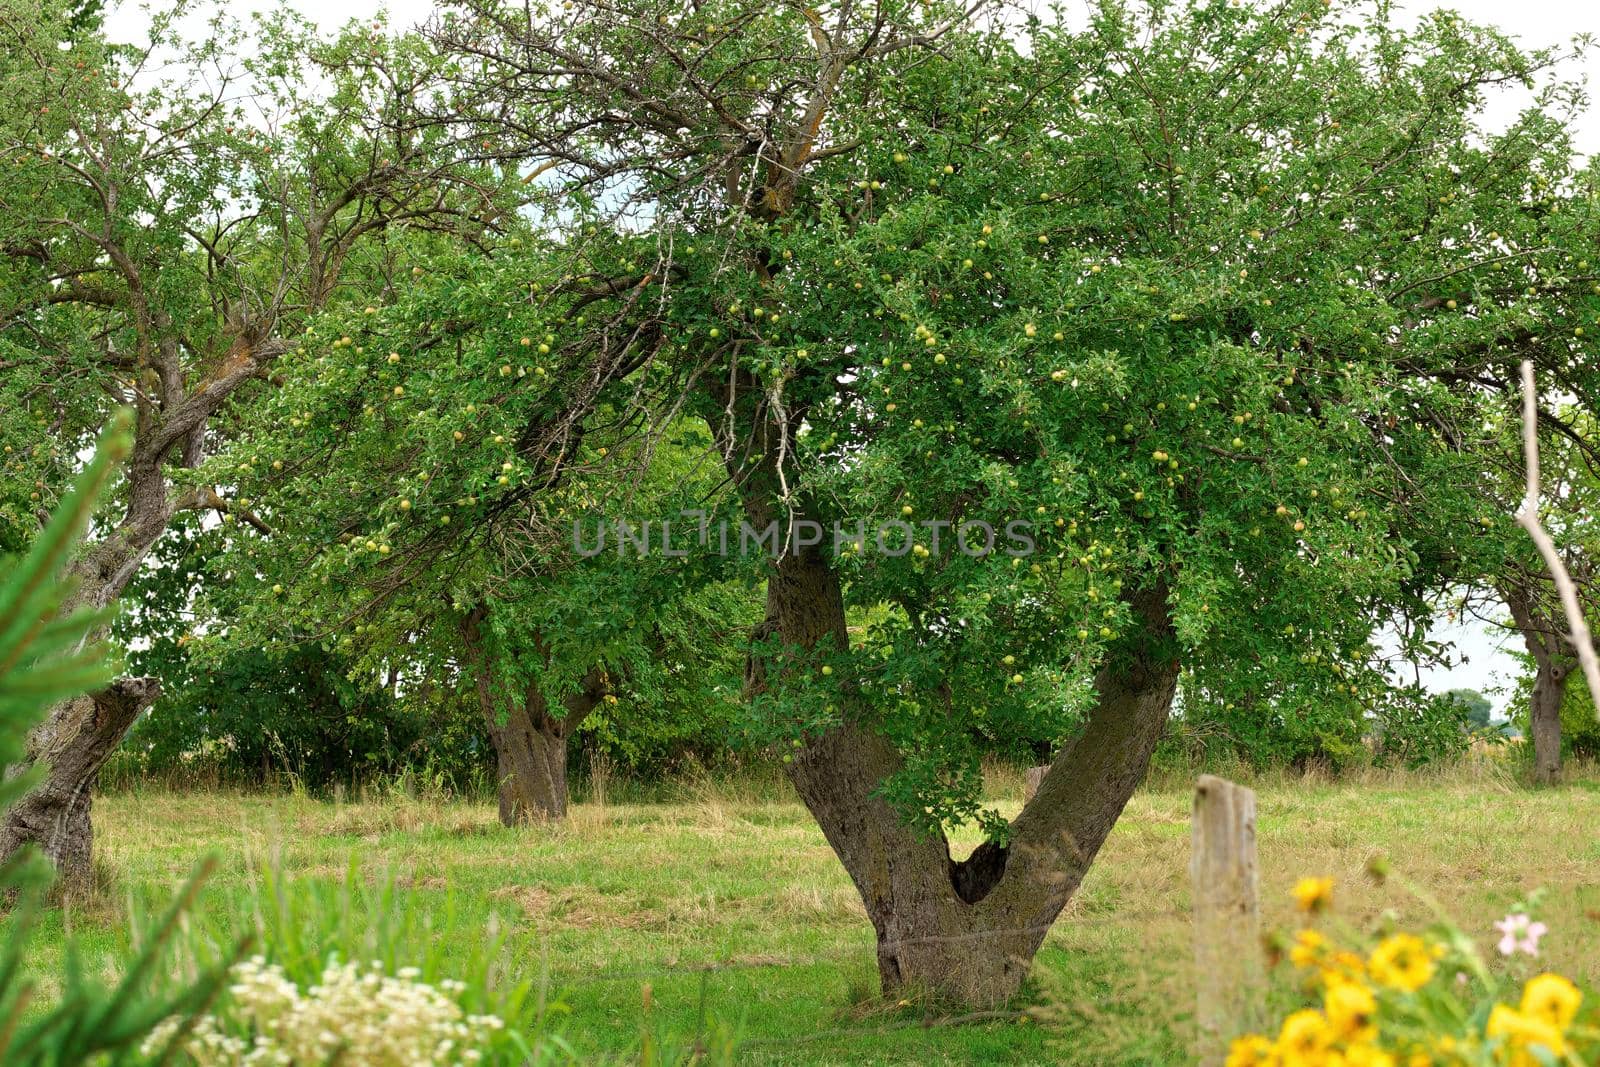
column 1495, row 573
column 421, row 506
column 1475, row 708
column 245, row 713
column 164, row 238
column 1577, row 732
column 234, row 710
column 1569, row 509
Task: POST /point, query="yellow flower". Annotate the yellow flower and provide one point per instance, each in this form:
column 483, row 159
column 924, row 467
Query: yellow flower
column 1551, row 998
column 1307, row 948
column 1402, row 962
column 1313, row 894
column 1368, row 1056
column 1343, row 966
column 1304, row 1039
column 1523, row 1033
column 1350, row 1008
column 1251, row 1050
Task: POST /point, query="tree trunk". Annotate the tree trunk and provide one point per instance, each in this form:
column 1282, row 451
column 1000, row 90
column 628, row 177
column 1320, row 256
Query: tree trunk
column 1554, row 661
column 963, row 931
column 530, row 743
column 77, row 736
column 1544, row 719
column 532, row 756
column 73, row 745
column 966, row 931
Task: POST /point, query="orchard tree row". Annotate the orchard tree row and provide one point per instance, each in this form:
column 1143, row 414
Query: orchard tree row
column 1225, row 301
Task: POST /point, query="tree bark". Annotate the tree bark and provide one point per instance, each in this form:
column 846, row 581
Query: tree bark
column 530, row 743
column 1544, row 718
column 73, row 745
column 532, row 759
column 77, row 736
column 531, row 752
column 967, row 931
column 962, row 931
column 1554, row 662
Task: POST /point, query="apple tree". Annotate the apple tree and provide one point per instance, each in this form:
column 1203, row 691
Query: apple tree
column 170, row 215
column 1195, row 293
column 414, row 482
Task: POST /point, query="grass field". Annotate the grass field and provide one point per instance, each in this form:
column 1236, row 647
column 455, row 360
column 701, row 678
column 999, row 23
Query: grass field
column 727, row 904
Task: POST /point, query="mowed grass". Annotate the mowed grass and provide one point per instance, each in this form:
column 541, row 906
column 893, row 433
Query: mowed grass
column 724, row 906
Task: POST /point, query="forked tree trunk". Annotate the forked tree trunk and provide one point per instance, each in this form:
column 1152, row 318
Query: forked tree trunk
column 73, row 745
column 967, row 931
column 530, row 743
column 531, row 751
column 960, row 931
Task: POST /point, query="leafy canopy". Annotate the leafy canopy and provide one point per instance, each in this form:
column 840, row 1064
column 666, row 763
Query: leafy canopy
column 1221, row 299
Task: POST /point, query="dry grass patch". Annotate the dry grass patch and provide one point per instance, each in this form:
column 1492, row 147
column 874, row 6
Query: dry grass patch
column 576, row 907
column 819, row 903
column 370, row 820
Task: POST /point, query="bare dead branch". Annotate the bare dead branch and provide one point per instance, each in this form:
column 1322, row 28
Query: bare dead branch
column 1528, row 518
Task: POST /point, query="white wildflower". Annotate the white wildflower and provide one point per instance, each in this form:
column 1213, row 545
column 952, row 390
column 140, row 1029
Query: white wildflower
column 363, row 1018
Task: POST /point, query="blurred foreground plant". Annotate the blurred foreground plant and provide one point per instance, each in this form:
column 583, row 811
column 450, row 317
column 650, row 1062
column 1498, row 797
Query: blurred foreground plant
column 1420, row 998
column 44, row 658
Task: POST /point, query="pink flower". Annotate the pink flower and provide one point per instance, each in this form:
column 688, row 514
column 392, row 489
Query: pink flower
column 1519, row 934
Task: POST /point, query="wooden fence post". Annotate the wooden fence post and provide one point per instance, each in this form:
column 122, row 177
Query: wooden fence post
column 1227, row 923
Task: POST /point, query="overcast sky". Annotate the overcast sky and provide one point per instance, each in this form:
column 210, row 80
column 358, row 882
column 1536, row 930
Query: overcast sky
column 1536, row 22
